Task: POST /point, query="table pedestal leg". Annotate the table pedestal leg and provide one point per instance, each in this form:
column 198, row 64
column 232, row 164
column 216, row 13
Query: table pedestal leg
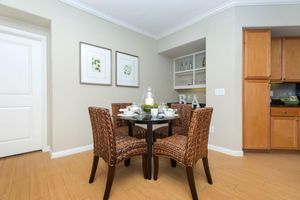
column 149, row 150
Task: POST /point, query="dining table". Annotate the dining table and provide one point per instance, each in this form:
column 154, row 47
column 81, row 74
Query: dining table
column 149, row 121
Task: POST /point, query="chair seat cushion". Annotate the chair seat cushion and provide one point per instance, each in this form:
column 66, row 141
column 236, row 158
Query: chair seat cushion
column 137, row 131
column 162, row 132
column 172, row 147
column 127, row 147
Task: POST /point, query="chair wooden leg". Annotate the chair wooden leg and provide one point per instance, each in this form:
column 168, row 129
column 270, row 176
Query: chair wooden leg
column 156, row 165
column 109, row 181
column 173, row 163
column 190, row 176
column 144, row 161
column 207, row 171
column 127, row 162
column 94, row 168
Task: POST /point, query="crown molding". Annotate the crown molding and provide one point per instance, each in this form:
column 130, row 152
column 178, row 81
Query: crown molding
column 92, row 11
column 209, row 13
column 222, row 7
column 225, row 6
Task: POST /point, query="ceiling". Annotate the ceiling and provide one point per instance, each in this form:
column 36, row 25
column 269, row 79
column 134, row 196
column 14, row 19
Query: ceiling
column 159, row 18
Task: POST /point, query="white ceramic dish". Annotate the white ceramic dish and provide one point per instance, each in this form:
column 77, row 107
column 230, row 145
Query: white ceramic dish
column 125, row 115
column 163, row 115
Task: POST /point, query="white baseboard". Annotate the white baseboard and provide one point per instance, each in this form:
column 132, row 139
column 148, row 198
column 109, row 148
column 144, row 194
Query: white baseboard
column 68, row 152
column 46, row 149
column 89, row 147
column 226, row 150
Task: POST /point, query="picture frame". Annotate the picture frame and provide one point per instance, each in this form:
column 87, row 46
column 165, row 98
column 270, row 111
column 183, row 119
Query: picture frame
column 127, row 70
column 95, row 64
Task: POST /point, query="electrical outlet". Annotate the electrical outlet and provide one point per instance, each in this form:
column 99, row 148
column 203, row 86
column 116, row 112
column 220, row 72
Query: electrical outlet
column 212, row 129
column 219, row 92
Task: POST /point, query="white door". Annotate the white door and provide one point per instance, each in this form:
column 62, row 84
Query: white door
column 21, row 90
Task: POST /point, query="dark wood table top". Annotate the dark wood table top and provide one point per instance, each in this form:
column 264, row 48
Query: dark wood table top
column 145, row 119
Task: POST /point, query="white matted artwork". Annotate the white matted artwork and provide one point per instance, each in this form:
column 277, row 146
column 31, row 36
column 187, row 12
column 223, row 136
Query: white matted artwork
column 95, row 64
column 127, row 72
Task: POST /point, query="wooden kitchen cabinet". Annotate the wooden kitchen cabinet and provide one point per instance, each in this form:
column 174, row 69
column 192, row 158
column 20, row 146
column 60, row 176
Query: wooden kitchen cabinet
column 299, row 134
column 284, row 111
column 276, row 59
column 257, row 54
column 256, row 114
column 291, row 59
column 265, row 60
column 284, row 132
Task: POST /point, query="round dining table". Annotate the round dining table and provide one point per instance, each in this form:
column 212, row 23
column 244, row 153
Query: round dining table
column 150, row 138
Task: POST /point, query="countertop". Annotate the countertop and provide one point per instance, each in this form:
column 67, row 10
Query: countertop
column 283, row 105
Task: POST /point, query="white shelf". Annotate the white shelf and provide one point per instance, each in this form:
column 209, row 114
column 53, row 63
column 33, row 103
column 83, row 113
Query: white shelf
column 193, row 76
column 190, row 86
column 185, row 72
column 200, row 69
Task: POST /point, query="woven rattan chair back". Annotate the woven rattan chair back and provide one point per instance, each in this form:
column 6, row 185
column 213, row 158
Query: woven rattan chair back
column 185, row 112
column 115, row 107
column 104, row 139
column 197, row 139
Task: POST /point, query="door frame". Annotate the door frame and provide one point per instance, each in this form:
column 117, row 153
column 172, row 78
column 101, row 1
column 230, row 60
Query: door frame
column 44, row 98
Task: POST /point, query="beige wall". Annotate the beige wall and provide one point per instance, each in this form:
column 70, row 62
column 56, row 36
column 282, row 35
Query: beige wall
column 220, row 67
column 223, row 34
column 70, row 125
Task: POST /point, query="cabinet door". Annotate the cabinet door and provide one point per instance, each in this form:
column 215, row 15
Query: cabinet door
column 299, row 134
column 291, row 59
column 257, row 54
column 276, row 61
column 256, row 114
column 284, row 132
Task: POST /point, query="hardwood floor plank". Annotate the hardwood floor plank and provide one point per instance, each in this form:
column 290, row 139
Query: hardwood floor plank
column 6, row 175
column 255, row 176
column 57, row 188
column 20, row 190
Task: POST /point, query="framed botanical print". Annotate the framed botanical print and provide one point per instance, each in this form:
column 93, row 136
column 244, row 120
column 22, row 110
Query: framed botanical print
column 127, row 70
column 95, row 64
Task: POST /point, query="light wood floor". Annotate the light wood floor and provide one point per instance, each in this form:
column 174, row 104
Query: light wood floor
column 255, row 176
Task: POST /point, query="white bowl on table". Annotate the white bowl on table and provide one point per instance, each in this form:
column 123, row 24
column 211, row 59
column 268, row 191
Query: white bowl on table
column 128, row 112
column 170, row 112
column 135, row 108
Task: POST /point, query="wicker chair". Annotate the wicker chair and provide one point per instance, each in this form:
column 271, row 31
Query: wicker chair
column 180, row 126
column 187, row 150
column 112, row 147
column 121, row 126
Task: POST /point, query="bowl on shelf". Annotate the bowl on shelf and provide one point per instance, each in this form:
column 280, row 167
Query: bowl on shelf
column 291, row 100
